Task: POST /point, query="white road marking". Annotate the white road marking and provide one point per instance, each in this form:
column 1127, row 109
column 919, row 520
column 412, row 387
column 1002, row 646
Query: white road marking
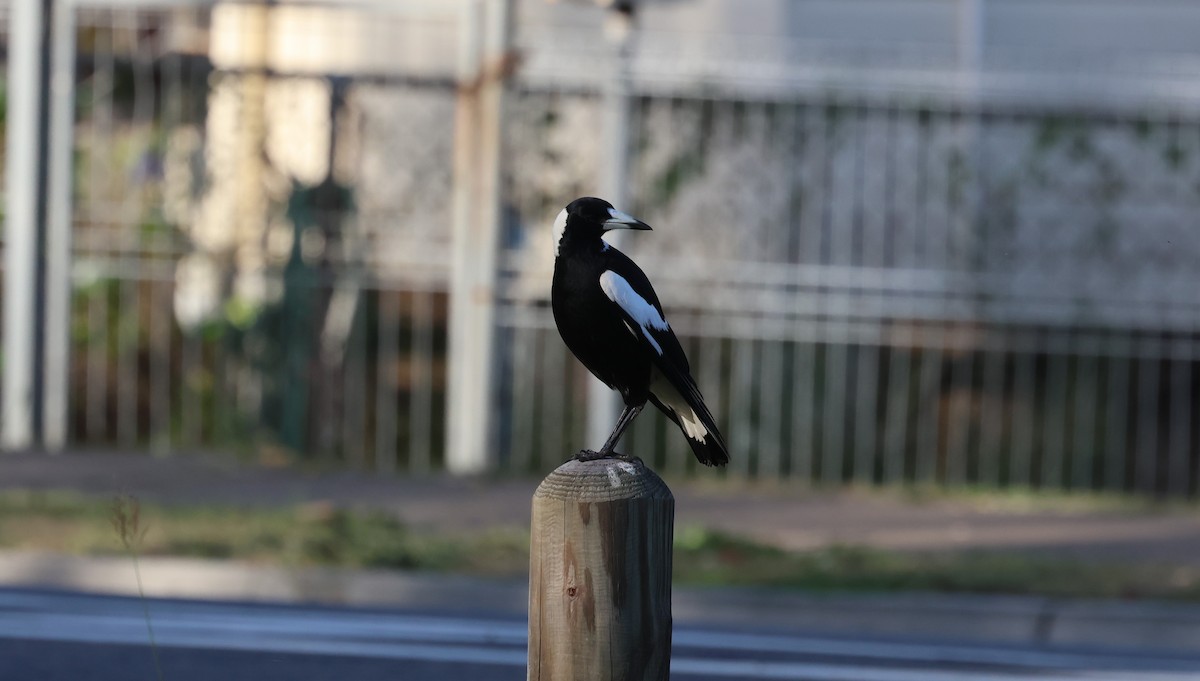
column 502, row 643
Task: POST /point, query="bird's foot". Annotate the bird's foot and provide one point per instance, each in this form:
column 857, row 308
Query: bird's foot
column 589, row 455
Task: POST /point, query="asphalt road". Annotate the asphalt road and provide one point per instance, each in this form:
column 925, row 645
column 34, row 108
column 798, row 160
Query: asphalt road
column 47, row 636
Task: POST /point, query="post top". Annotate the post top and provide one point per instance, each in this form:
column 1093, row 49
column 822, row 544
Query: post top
column 603, row 480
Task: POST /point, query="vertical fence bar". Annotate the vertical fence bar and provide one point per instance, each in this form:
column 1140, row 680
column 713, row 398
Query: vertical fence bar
column 744, row 437
column 126, row 351
column 420, row 361
column 929, row 359
column 97, row 361
column 839, row 231
column 802, row 439
column 523, row 397
column 929, row 406
column 1024, row 401
column 1083, row 444
column 160, row 369
column 1116, row 399
column 59, row 283
column 811, row 185
column 770, row 409
column 866, row 443
column 191, row 409
column 387, row 408
column 354, row 386
column 1179, row 433
column 833, row 412
column 992, row 418
column 1054, row 415
column 903, row 200
column 556, row 370
column 958, row 415
column 872, row 204
column 895, row 435
column 1146, row 444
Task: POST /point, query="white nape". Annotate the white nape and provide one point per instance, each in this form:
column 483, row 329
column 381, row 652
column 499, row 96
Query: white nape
column 560, row 226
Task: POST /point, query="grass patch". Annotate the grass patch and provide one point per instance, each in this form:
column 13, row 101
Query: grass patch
column 703, row 557
column 313, row 534
column 320, row 534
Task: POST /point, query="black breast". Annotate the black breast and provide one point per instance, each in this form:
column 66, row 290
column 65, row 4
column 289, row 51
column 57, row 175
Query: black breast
column 593, row 329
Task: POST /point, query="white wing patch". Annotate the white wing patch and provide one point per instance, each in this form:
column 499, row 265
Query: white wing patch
column 638, row 308
column 560, row 226
column 668, row 395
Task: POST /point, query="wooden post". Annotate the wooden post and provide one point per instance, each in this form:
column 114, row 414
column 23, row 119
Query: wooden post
column 600, row 574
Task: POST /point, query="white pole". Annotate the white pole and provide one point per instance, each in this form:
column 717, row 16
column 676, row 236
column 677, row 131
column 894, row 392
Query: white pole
column 970, row 37
column 20, row 253
column 58, row 228
column 604, row 405
column 470, row 418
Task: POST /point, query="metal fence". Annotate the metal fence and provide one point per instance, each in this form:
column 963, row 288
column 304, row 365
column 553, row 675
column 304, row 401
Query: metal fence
column 885, row 290
column 878, row 287
column 250, row 269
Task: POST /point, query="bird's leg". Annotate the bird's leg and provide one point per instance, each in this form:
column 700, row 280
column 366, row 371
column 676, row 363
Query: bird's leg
column 627, row 417
column 606, row 451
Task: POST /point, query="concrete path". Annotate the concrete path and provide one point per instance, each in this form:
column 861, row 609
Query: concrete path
column 1022, row 620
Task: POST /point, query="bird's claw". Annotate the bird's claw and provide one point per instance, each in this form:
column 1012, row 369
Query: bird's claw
column 589, row 455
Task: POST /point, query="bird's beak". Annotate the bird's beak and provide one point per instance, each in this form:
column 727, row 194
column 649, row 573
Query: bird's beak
column 621, row 220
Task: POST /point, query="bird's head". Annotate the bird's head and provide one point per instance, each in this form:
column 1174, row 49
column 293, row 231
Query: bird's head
column 585, row 219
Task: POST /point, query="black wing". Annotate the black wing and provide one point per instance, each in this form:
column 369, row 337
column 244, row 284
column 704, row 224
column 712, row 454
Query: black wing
column 673, row 390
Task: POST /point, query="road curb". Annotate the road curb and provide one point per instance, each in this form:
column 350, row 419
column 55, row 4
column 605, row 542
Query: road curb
column 1003, row 619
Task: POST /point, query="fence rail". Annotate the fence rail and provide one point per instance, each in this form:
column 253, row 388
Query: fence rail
column 873, row 287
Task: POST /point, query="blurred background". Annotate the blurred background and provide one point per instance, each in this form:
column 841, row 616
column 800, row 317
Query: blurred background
column 947, row 241
column 281, row 271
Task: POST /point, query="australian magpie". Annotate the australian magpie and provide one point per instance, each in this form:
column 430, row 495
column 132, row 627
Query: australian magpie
column 608, row 315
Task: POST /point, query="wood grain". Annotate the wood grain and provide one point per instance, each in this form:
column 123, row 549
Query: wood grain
column 600, row 574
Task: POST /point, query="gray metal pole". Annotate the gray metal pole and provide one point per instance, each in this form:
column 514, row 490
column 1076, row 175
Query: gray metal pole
column 470, row 418
column 604, row 405
column 20, row 253
column 58, row 229
column 971, row 22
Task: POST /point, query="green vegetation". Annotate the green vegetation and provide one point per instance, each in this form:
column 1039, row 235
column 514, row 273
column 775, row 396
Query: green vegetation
column 313, row 534
column 319, row 534
column 718, row 559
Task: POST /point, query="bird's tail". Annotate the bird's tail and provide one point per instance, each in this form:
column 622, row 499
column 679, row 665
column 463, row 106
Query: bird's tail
column 711, row 451
column 698, row 426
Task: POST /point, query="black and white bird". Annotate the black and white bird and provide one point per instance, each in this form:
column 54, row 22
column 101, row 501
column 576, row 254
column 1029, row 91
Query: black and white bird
column 609, row 316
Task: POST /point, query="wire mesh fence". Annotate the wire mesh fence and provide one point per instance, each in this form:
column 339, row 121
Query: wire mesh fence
column 898, row 290
column 878, row 289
